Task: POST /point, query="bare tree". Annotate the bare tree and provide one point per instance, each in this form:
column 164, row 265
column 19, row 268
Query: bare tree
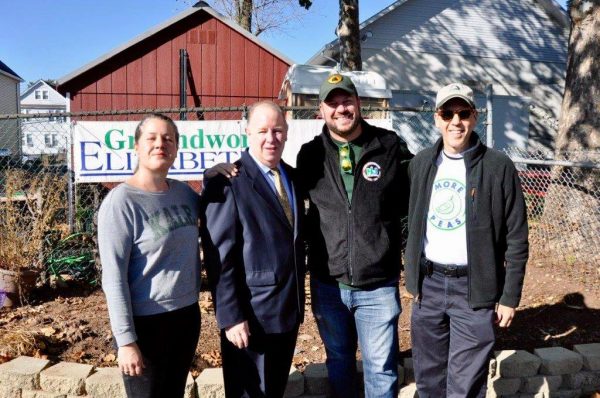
column 571, row 209
column 349, row 35
column 260, row 16
column 579, row 127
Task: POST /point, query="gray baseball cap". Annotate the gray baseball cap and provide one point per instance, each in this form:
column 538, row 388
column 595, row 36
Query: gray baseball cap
column 454, row 90
column 334, row 82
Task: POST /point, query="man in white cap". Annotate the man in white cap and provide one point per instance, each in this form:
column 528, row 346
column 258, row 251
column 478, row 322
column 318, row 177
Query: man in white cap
column 466, row 251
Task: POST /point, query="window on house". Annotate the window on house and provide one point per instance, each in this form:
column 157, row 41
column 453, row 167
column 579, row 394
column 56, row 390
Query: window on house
column 50, row 140
column 38, row 95
column 29, row 139
column 45, row 94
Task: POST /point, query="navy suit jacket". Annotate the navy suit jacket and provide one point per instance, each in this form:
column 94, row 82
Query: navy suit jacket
column 253, row 256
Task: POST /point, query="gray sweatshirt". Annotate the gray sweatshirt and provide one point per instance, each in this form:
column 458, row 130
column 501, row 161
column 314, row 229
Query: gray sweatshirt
column 148, row 243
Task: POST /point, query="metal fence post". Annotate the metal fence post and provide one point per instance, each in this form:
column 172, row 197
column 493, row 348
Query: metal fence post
column 489, row 135
column 70, row 176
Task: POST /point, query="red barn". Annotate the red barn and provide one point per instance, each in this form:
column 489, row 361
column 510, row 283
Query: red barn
column 225, row 66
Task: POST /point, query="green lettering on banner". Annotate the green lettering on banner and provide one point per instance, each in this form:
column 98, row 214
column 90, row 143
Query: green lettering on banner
column 233, row 141
column 197, row 141
column 215, row 139
column 183, row 141
column 108, row 139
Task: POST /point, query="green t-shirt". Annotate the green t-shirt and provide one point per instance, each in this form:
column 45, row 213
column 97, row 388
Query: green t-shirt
column 354, row 150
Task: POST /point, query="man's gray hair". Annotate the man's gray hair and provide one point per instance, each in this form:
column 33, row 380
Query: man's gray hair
column 269, row 104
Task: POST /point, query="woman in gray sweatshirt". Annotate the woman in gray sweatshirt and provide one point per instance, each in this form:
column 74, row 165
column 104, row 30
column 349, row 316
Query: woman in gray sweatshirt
column 148, row 243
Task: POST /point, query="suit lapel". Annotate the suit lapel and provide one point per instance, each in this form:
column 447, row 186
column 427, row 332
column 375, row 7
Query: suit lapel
column 261, row 186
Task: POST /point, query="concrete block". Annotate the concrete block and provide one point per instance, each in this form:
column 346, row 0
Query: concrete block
column 590, row 354
column 315, row 380
column 516, row 363
column 504, row 385
column 408, row 391
column 586, row 380
column 409, row 372
column 295, row 384
column 106, row 382
column 22, row 373
column 492, row 368
column 566, row 394
column 41, row 394
column 490, row 393
column 210, row 383
column 190, row 387
column 10, row 392
column 545, row 384
column 558, row 361
column 65, row 378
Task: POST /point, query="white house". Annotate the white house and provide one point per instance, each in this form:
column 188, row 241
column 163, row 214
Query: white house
column 9, row 105
column 45, row 135
column 519, row 47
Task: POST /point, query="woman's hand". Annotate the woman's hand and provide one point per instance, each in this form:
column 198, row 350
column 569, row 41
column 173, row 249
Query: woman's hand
column 130, row 360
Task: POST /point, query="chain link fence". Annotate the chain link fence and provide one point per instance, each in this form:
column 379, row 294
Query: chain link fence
column 47, row 219
column 562, row 193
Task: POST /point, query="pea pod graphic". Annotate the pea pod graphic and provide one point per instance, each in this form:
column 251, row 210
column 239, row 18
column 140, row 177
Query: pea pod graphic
column 447, row 207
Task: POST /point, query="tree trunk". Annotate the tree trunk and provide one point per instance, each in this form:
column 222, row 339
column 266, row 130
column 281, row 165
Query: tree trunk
column 568, row 233
column 244, row 14
column 579, row 127
column 349, row 35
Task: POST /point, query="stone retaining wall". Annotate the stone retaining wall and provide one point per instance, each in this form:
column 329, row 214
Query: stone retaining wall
column 547, row 373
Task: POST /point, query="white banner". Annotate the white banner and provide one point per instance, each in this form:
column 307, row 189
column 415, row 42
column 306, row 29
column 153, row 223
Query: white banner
column 104, row 151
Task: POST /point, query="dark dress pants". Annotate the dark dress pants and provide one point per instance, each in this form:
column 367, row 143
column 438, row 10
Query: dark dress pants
column 168, row 343
column 261, row 370
column 451, row 343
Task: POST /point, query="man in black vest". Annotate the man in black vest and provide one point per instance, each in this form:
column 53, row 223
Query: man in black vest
column 355, row 177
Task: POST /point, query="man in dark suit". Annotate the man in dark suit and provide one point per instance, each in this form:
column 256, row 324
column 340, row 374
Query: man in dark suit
column 255, row 260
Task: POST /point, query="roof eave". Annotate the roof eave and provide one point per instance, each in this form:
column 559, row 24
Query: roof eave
column 65, row 79
column 15, row 77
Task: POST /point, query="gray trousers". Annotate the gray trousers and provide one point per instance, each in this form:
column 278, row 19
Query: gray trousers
column 451, row 343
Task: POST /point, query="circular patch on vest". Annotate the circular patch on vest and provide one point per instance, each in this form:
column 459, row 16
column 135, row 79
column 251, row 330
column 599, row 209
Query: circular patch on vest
column 371, row 171
column 447, row 206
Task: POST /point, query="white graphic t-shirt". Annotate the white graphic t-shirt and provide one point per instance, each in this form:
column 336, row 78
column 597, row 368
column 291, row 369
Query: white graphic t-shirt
column 446, row 234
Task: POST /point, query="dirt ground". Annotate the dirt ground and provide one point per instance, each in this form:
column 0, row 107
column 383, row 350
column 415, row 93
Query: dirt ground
column 559, row 307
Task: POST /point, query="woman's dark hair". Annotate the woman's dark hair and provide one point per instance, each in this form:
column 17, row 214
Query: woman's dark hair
column 172, row 125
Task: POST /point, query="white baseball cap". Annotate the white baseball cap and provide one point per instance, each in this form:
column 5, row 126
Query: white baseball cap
column 454, row 90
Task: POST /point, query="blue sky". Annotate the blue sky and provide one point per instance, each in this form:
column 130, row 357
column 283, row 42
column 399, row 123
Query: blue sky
column 51, row 38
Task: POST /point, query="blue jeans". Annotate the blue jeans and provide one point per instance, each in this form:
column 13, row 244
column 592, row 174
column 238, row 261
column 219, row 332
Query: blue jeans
column 369, row 318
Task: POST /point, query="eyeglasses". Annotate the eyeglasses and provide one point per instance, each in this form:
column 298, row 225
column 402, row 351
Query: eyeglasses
column 345, row 161
column 448, row 115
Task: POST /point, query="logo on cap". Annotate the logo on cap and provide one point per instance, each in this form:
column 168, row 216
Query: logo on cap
column 371, row 171
column 335, row 79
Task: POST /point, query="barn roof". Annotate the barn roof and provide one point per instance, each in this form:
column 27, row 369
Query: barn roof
column 199, row 8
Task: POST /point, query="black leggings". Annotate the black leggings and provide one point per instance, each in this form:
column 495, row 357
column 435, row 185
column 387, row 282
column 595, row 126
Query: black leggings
column 168, row 343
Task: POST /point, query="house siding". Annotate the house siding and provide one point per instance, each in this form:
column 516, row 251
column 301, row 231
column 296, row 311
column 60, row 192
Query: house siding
column 506, row 30
column 515, row 46
column 9, row 104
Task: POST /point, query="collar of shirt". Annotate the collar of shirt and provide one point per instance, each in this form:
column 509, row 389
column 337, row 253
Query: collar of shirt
column 266, row 171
